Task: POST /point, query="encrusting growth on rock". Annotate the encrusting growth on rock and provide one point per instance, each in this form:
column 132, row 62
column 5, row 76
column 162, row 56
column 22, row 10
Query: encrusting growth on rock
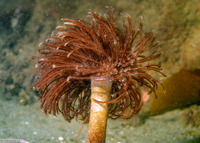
column 79, row 53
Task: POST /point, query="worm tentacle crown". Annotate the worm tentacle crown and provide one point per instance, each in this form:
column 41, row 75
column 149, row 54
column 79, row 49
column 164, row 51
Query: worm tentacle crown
column 77, row 52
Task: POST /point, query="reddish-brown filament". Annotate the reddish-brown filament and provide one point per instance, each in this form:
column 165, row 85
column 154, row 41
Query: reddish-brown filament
column 79, row 51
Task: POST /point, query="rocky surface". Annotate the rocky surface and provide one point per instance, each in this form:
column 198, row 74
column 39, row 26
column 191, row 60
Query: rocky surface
column 24, row 24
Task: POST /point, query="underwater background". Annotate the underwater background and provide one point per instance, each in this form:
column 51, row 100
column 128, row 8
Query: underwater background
column 172, row 117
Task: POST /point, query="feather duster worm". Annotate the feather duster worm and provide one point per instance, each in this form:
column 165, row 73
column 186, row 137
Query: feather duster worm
column 80, row 52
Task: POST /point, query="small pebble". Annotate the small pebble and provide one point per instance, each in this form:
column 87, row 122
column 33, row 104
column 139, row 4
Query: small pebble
column 60, row 138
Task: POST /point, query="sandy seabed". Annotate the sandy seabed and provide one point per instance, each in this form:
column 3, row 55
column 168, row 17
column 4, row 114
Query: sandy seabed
column 30, row 124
